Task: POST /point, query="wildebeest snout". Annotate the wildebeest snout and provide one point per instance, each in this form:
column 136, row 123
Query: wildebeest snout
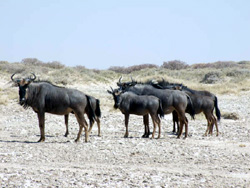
column 22, row 101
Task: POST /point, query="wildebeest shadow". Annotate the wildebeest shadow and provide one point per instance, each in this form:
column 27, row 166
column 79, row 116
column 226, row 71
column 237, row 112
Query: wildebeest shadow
column 18, row 141
column 34, row 142
column 172, row 133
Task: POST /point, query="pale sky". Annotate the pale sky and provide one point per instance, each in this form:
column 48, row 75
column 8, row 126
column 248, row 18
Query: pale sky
column 103, row 33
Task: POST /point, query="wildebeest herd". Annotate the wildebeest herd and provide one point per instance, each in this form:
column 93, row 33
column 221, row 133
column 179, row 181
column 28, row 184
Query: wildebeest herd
column 154, row 98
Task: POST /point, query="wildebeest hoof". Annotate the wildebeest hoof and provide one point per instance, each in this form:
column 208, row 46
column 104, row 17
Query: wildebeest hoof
column 41, row 140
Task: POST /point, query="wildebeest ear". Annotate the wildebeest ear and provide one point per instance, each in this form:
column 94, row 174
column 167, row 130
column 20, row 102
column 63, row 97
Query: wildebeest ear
column 17, row 82
column 111, row 92
column 117, row 91
column 26, row 81
column 181, row 86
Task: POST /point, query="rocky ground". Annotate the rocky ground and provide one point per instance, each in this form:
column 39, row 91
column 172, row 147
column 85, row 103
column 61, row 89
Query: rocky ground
column 114, row 161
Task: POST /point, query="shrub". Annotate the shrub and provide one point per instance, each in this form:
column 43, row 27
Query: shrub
column 36, row 62
column 127, row 70
column 118, row 69
column 211, row 78
column 238, row 73
column 216, row 65
column 224, row 64
column 54, row 65
column 11, row 67
column 174, row 65
column 32, row 62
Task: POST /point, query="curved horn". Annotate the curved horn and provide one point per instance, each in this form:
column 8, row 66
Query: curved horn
column 12, row 77
column 111, row 89
column 120, row 79
column 32, row 79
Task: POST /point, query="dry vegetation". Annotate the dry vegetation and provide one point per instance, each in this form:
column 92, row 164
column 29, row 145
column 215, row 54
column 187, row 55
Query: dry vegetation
column 111, row 160
column 218, row 77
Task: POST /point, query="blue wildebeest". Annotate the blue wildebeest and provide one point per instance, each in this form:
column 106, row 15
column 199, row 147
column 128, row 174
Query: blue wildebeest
column 203, row 101
column 171, row 100
column 130, row 103
column 44, row 97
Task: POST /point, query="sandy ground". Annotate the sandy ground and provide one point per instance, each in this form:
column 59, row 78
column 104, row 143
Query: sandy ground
column 114, row 161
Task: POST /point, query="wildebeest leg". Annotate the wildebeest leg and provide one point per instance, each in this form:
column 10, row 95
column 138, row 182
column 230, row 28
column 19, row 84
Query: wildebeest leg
column 180, row 130
column 208, row 126
column 211, row 128
column 216, row 125
column 66, row 118
column 154, row 123
column 183, row 121
column 90, row 126
column 126, row 125
column 210, row 122
column 175, row 121
column 41, row 119
column 186, row 127
column 178, row 126
column 146, row 125
column 158, row 121
column 98, row 125
column 82, row 124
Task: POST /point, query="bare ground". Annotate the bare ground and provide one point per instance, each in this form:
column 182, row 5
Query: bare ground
column 114, row 161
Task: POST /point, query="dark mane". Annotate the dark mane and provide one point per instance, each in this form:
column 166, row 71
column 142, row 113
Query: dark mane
column 165, row 84
column 34, row 89
column 160, row 84
column 48, row 82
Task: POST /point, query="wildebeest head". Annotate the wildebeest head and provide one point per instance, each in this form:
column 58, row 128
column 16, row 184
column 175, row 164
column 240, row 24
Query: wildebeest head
column 23, row 85
column 124, row 85
column 116, row 96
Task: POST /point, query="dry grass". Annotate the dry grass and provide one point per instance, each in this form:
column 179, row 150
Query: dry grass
column 233, row 77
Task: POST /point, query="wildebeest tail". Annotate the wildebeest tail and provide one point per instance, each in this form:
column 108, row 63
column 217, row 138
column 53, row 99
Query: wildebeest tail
column 90, row 111
column 160, row 110
column 217, row 110
column 98, row 110
column 190, row 107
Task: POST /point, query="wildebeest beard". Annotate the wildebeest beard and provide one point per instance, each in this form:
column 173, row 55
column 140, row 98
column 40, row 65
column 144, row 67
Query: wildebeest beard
column 24, row 104
column 32, row 92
